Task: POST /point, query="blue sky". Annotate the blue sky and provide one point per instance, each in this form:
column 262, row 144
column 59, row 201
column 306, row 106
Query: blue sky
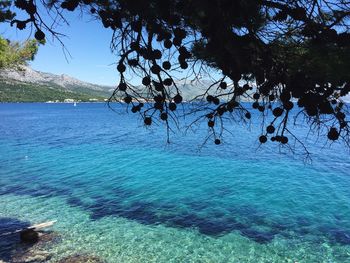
column 88, row 44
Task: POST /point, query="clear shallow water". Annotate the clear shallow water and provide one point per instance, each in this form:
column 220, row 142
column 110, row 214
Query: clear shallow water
column 120, row 192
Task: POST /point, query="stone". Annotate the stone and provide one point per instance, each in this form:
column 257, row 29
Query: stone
column 29, row 236
column 78, row 258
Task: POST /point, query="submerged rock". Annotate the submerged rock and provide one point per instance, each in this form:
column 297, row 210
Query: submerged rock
column 48, row 237
column 32, row 256
column 78, row 258
column 35, row 252
column 29, row 236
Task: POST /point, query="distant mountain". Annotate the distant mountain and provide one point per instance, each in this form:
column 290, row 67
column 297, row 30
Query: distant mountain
column 47, row 85
column 195, row 90
column 26, row 84
column 189, row 90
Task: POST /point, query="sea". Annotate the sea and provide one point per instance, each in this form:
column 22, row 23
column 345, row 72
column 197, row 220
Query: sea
column 121, row 192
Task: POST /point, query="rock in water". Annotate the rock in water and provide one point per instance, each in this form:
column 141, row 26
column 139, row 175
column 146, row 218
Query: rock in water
column 29, row 236
column 78, row 258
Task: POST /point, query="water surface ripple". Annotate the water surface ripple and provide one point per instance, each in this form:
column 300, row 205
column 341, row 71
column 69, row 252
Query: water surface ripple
column 137, row 197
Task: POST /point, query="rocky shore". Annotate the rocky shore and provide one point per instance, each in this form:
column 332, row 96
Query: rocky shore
column 38, row 251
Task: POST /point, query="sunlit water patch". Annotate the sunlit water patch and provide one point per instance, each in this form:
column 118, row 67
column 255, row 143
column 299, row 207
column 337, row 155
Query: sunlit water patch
column 120, row 192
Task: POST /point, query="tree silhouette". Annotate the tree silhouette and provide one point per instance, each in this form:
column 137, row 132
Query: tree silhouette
column 278, row 54
column 5, row 13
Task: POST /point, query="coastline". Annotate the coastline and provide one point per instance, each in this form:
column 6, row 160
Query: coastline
column 41, row 251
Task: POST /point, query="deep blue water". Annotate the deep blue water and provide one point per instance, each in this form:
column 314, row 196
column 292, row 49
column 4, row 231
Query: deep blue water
column 109, row 167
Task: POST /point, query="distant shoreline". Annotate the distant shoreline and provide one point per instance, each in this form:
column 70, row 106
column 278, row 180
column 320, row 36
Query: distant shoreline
column 44, row 102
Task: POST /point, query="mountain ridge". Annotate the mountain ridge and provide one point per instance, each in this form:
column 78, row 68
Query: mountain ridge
column 63, row 86
column 26, row 76
column 25, row 84
column 29, row 75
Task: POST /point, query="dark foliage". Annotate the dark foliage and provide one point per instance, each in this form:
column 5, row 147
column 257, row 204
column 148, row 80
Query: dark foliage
column 278, row 54
column 5, row 13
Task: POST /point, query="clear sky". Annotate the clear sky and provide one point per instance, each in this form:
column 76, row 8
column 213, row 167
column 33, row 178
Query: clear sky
column 88, row 44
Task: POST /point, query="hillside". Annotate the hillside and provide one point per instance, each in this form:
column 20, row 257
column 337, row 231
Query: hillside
column 28, row 85
column 28, row 92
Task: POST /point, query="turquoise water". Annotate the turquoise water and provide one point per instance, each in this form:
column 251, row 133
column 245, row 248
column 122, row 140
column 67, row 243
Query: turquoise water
column 118, row 191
